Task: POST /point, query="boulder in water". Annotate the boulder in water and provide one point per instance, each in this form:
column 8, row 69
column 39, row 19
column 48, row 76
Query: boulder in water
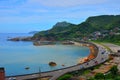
column 52, row 64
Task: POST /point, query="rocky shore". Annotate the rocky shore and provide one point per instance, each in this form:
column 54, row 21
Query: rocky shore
column 42, row 41
column 92, row 54
column 21, row 39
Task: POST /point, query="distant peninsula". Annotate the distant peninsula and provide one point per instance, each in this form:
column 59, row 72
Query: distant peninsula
column 33, row 32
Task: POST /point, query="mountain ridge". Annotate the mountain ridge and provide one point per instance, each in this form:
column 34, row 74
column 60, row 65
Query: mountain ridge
column 94, row 28
column 65, row 30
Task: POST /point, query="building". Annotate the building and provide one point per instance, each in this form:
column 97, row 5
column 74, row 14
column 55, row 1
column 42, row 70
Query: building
column 2, row 74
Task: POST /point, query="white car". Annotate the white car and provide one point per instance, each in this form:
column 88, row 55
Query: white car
column 12, row 78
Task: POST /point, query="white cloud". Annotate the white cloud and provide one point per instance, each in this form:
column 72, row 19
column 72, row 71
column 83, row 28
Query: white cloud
column 32, row 11
column 65, row 3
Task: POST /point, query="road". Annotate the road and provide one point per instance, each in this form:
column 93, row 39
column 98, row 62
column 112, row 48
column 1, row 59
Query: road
column 113, row 47
column 101, row 57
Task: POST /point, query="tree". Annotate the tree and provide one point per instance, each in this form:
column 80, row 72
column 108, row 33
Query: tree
column 65, row 77
column 92, row 78
column 114, row 70
column 99, row 76
column 117, row 78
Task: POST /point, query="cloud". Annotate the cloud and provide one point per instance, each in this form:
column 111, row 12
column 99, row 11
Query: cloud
column 65, row 3
column 46, row 13
column 32, row 11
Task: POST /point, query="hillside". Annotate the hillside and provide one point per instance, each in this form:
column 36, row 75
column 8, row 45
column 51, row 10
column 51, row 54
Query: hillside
column 104, row 21
column 58, row 30
column 65, row 30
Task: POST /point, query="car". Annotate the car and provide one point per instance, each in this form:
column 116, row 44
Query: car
column 12, row 78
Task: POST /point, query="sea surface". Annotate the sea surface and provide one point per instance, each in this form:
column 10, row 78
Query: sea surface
column 16, row 56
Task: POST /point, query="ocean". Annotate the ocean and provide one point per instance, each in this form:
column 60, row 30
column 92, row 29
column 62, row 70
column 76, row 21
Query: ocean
column 16, row 56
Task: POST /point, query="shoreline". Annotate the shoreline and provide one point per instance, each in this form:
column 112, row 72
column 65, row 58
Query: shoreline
column 91, row 54
column 54, row 74
column 73, row 43
column 41, row 43
column 62, row 64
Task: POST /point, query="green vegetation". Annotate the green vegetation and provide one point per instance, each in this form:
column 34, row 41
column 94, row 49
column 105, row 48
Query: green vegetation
column 115, row 39
column 65, row 77
column 102, row 43
column 104, row 22
column 99, row 76
column 78, row 73
column 112, row 75
column 67, row 31
column 59, row 31
column 86, row 72
column 114, row 70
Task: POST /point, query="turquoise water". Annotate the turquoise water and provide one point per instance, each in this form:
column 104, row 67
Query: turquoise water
column 15, row 56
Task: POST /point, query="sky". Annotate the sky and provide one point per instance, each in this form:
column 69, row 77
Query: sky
column 22, row 16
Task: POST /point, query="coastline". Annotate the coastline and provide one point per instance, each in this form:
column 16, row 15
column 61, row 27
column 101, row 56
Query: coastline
column 57, row 73
column 81, row 60
column 65, row 62
column 91, row 55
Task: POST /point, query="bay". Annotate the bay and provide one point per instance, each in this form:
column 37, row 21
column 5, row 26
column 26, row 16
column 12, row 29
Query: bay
column 16, row 56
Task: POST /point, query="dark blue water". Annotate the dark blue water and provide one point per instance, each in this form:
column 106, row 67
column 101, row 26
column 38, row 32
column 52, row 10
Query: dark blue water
column 16, row 56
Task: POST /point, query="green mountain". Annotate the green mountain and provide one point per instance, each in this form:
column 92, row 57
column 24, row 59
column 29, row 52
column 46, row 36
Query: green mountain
column 57, row 31
column 61, row 27
column 65, row 30
column 104, row 21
